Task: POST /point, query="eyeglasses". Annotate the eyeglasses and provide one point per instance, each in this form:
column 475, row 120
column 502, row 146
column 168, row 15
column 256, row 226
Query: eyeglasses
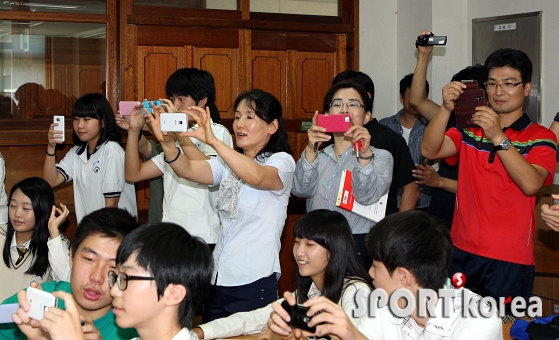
column 491, row 86
column 121, row 279
column 352, row 105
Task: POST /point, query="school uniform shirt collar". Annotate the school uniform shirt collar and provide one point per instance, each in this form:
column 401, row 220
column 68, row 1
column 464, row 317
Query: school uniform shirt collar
column 14, row 243
column 83, row 155
column 437, row 324
column 313, row 292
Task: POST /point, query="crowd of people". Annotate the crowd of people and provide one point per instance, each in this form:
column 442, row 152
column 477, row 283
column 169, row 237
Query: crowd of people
column 460, row 200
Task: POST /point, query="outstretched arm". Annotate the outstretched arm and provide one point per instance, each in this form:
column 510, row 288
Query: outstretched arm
column 254, row 174
column 134, row 169
column 50, row 174
column 418, row 91
column 435, row 143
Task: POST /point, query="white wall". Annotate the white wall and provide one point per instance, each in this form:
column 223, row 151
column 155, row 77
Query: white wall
column 397, row 22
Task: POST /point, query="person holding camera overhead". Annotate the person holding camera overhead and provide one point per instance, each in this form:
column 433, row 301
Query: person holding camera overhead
column 318, row 173
column 503, row 164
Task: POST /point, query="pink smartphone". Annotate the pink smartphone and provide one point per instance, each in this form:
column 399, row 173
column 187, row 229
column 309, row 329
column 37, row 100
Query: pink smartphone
column 334, row 123
column 126, row 107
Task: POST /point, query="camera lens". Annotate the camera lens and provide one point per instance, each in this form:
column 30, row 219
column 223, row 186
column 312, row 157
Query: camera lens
column 306, row 319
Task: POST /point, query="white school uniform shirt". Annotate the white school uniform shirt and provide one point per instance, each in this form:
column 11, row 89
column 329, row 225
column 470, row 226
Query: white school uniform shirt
column 3, row 197
column 253, row 321
column 387, row 326
column 248, row 247
column 191, row 205
column 99, row 177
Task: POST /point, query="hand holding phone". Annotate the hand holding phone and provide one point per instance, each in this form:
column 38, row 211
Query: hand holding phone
column 126, row 107
column 334, row 122
column 146, row 104
column 39, row 301
column 298, row 315
column 60, row 127
column 465, row 105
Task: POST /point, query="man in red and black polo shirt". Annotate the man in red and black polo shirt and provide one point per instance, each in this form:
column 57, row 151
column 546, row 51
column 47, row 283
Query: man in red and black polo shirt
column 503, row 164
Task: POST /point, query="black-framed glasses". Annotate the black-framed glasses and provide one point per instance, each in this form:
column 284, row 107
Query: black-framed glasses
column 121, row 279
column 491, row 86
column 352, row 105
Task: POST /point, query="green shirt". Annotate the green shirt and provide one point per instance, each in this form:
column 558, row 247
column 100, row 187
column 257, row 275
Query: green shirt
column 106, row 324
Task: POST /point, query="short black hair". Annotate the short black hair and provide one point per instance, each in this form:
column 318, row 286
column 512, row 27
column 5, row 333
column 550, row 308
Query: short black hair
column 405, row 84
column 195, row 83
column 106, row 222
column 415, row 241
column 476, row 72
column 267, row 107
column 173, row 256
column 508, row 57
column 351, row 76
column 367, row 102
column 95, row 105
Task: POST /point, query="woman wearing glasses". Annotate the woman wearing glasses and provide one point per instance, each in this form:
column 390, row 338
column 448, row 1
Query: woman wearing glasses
column 318, row 173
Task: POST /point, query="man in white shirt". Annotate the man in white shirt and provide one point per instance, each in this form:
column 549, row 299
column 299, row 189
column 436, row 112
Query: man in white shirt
column 410, row 251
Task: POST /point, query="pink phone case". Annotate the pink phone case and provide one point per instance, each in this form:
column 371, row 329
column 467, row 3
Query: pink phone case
column 334, row 123
column 126, row 107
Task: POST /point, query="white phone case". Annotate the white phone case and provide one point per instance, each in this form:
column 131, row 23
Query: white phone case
column 174, row 122
column 61, row 127
column 39, row 301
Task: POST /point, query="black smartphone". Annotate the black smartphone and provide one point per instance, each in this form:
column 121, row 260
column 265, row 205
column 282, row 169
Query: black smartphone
column 299, row 318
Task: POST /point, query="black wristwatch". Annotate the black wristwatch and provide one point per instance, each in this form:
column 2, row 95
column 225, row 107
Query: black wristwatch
column 504, row 145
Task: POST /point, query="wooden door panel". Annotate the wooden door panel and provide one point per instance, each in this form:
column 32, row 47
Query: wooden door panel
column 314, row 73
column 155, row 65
column 222, row 64
column 269, row 73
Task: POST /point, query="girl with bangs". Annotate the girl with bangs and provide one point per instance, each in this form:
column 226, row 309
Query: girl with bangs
column 33, row 247
column 327, row 265
column 96, row 162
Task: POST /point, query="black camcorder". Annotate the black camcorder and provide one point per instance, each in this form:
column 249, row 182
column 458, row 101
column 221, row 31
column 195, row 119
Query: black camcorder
column 430, row 39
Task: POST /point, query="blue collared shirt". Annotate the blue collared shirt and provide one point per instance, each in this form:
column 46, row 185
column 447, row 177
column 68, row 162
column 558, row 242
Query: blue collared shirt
column 414, row 144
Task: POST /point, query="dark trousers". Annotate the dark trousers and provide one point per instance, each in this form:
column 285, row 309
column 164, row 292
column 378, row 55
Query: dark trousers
column 223, row 301
column 495, row 278
column 364, row 257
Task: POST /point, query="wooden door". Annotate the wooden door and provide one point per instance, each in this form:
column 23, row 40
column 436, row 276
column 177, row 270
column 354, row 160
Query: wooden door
column 155, row 65
column 269, row 70
column 314, row 73
column 222, row 64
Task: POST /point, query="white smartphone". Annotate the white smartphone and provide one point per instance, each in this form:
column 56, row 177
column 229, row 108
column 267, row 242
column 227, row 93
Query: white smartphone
column 60, row 127
column 174, row 122
column 39, row 301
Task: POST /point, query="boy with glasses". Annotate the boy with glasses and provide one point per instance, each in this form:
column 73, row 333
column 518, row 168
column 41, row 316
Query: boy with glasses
column 163, row 274
column 503, row 164
column 86, row 296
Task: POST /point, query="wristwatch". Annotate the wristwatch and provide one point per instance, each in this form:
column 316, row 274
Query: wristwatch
column 504, row 145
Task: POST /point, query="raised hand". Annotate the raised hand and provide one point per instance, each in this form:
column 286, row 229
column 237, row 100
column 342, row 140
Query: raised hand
column 204, row 132
column 55, row 221
column 54, row 135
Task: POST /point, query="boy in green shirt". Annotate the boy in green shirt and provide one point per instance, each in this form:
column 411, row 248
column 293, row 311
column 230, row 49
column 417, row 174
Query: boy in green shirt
column 92, row 255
